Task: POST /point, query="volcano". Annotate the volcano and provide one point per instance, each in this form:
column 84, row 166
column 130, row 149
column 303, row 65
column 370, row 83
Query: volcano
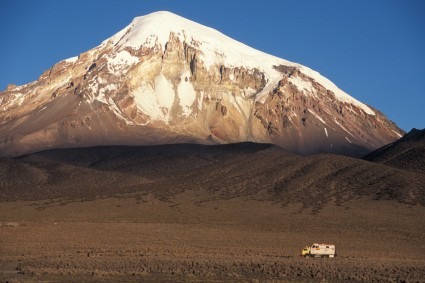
column 164, row 79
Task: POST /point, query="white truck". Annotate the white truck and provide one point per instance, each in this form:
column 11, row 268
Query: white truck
column 319, row 250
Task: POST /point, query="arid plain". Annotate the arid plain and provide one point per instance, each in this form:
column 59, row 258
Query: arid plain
column 237, row 213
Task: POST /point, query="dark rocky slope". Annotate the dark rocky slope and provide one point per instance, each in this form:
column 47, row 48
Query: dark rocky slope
column 257, row 171
column 407, row 153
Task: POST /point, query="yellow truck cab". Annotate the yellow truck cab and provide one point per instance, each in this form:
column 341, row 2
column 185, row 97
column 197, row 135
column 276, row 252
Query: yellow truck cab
column 306, row 251
column 319, row 250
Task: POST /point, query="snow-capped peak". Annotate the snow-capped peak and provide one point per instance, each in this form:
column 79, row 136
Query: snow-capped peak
column 216, row 49
column 155, row 28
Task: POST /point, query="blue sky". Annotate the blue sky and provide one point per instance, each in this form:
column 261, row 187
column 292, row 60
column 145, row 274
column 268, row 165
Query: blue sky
column 372, row 49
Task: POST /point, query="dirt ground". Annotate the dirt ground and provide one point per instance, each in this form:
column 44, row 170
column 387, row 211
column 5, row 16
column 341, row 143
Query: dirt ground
column 235, row 213
column 142, row 238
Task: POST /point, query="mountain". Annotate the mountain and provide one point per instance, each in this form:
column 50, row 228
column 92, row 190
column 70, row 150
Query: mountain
column 406, row 153
column 164, row 79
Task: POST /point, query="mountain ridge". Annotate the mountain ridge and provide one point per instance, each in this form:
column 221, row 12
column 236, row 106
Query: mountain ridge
column 252, row 170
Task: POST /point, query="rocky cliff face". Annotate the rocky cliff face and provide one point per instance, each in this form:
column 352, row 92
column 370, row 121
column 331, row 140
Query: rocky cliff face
column 165, row 79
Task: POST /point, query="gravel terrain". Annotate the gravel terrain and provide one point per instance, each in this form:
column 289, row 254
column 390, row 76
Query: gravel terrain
column 239, row 213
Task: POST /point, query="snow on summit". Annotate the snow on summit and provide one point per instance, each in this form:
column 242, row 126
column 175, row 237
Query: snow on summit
column 154, row 30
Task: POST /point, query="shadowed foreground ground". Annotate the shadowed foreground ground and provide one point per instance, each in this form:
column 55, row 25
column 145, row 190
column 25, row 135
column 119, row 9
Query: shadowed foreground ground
column 227, row 214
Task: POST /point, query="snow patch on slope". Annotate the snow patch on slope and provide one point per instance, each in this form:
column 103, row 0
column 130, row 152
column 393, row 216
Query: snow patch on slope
column 342, row 127
column 164, row 91
column 121, row 61
column 339, row 94
column 17, row 100
column 243, row 105
column 317, row 116
column 186, row 94
column 71, row 60
column 398, row 134
column 249, row 92
column 146, row 101
column 107, row 88
column 101, row 94
column 305, row 87
column 117, row 111
column 155, row 101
